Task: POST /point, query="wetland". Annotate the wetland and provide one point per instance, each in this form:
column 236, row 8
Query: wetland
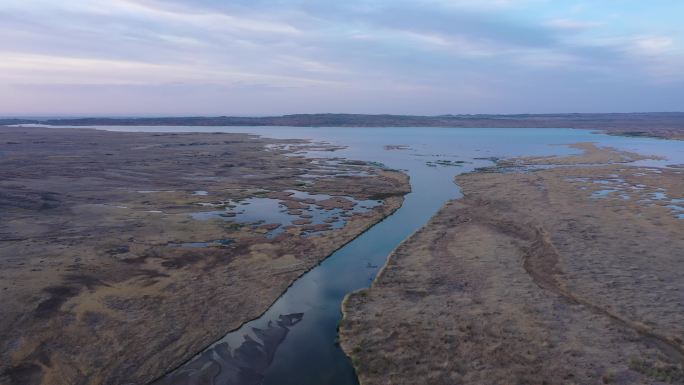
column 222, row 256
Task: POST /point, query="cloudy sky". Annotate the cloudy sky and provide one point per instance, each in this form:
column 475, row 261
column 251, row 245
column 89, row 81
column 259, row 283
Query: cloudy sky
column 261, row 57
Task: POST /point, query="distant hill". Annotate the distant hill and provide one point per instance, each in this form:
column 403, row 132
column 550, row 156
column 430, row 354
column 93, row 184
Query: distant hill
column 11, row 121
column 661, row 124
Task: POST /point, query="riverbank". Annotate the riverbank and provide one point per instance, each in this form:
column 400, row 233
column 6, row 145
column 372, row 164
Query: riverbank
column 124, row 254
column 562, row 275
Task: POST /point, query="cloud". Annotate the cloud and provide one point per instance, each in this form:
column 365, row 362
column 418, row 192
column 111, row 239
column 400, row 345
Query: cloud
column 187, row 15
column 652, row 45
column 361, row 53
column 22, row 69
column 572, row 25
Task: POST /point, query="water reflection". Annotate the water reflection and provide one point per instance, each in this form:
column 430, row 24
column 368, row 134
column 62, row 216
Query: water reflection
column 245, row 365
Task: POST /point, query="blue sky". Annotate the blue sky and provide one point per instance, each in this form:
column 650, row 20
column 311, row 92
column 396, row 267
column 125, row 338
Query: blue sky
column 262, row 57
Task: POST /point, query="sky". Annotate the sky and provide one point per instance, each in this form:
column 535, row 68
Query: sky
column 271, row 57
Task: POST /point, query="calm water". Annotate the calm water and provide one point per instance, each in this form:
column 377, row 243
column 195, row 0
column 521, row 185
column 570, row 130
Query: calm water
column 294, row 341
column 256, row 211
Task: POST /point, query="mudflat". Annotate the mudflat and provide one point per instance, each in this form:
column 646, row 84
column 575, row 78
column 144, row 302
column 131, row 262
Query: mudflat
column 563, row 275
column 124, row 254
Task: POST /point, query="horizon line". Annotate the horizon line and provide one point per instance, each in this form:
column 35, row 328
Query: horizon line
column 162, row 116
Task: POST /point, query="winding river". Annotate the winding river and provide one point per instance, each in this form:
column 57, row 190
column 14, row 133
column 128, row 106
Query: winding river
column 293, row 342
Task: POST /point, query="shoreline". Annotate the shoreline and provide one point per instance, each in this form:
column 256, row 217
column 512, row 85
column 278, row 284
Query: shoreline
column 646, row 125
